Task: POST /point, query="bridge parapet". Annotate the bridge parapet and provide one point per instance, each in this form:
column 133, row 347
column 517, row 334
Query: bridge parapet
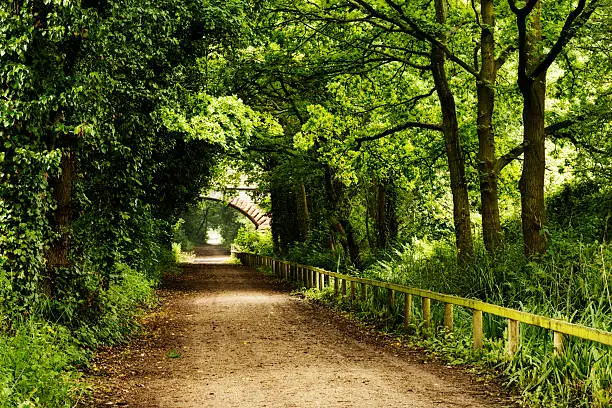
column 243, row 203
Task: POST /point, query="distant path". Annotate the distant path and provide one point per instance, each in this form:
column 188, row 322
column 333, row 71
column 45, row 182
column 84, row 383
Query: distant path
column 242, row 343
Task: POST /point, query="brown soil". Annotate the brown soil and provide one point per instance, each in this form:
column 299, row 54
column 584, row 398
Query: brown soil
column 225, row 336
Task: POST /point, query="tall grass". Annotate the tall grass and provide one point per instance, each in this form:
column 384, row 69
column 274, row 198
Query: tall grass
column 569, row 282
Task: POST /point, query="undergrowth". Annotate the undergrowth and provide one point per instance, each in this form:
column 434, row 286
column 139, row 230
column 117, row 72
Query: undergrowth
column 41, row 354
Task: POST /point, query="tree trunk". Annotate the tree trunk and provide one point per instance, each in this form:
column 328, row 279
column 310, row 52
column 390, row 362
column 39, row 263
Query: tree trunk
column 349, row 242
column 491, row 224
column 303, row 216
column 338, row 221
column 456, row 162
column 57, row 255
column 531, row 184
column 386, row 222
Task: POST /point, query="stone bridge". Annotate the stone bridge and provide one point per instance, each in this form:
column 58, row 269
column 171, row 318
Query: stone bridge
column 243, row 203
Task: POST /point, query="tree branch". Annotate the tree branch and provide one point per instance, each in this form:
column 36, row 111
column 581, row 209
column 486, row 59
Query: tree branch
column 556, row 131
column 509, row 157
column 567, row 33
column 503, row 57
column 411, row 28
column 399, row 128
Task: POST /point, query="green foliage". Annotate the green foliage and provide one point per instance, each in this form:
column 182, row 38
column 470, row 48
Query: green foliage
column 24, row 228
column 37, row 365
column 251, row 240
column 39, row 360
column 330, row 110
column 314, row 252
column 569, row 282
column 117, row 311
column 583, row 210
column 205, row 217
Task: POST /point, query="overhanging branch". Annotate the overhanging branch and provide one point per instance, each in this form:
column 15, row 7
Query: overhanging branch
column 399, row 128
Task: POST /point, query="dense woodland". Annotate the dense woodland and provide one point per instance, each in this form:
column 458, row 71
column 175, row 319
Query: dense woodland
column 460, row 146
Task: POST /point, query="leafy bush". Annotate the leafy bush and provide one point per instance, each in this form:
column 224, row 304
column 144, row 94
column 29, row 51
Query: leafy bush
column 582, row 209
column 255, row 241
column 37, row 366
column 118, row 308
column 39, row 360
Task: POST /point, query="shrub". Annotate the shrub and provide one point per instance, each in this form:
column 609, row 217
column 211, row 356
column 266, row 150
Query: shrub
column 36, row 366
column 119, row 306
column 249, row 239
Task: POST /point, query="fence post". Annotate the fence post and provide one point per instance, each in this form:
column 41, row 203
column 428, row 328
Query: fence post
column 374, row 296
column 352, row 291
column 336, row 286
column 558, row 343
column 317, row 280
column 407, row 308
column 477, row 328
column 426, row 306
column 310, row 278
column 448, row 317
column 513, row 337
column 322, row 281
column 364, row 291
column 343, row 287
column 390, row 299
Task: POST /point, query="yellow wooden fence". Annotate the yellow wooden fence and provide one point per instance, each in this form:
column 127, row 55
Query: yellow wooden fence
column 319, row 278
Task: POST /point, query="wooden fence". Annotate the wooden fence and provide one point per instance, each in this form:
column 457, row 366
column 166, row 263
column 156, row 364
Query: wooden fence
column 319, row 278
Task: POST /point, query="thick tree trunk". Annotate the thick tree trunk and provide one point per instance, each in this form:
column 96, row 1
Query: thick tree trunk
column 456, row 162
column 386, row 223
column 57, row 256
column 349, row 242
column 531, row 185
column 276, row 227
column 491, row 224
column 338, row 221
column 370, row 214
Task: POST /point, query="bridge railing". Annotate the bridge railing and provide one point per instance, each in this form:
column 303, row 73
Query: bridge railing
column 318, row 278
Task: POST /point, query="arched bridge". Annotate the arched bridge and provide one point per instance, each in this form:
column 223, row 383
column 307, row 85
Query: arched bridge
column 243, row 203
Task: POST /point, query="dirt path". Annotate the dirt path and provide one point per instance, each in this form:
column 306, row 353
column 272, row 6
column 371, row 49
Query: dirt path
column 242, row 343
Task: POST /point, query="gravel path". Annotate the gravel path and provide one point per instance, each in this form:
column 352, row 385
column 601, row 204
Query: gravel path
column 226, row 337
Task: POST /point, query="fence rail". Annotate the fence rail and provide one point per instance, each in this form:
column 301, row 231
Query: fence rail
column 314, row 277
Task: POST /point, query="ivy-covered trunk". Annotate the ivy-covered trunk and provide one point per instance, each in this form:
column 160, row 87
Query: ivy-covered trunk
column 303, row 215
column 454, row 151
column 338, row 221
column 385, row 219
column 57, row 256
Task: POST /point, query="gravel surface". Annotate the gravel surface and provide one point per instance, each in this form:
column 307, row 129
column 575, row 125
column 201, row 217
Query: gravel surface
column 225, row 336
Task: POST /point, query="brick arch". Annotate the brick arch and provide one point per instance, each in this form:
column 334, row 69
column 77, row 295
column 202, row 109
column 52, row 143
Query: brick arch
column 248, row 208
